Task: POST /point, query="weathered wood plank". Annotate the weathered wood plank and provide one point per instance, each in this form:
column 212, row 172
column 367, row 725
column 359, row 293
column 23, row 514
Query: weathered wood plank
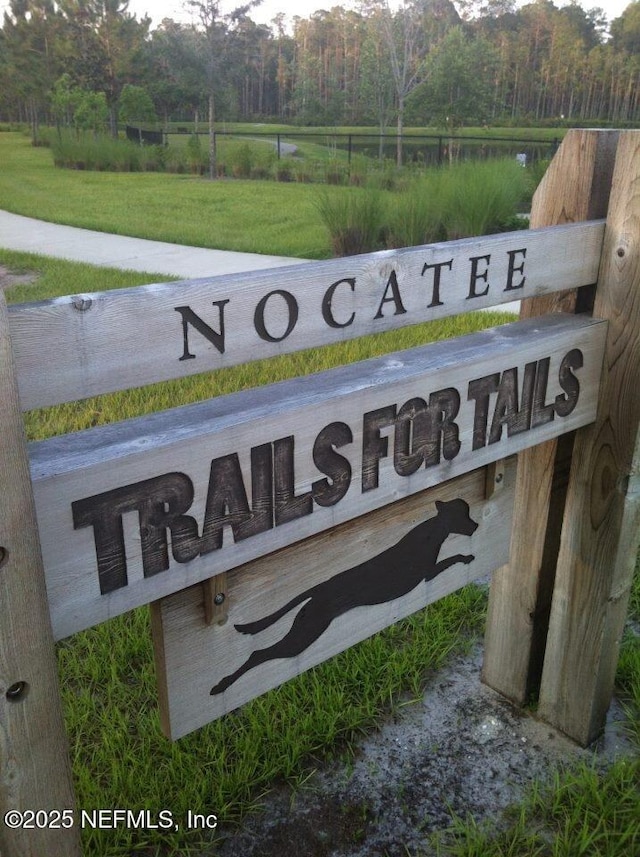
column 92, row 344
column 602, row 519
column 575, row 188
column 193, row 657
column 35, row 772
column 240, row 476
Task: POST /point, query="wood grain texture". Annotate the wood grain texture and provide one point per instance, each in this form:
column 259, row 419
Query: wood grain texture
column 84, row 345
column 575, row 188
column 269, row 444
column 35, row 772
column 602, row 519
column 191, row 656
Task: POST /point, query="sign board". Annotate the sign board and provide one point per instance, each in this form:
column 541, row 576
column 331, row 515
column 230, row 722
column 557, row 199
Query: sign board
column 304, row 604
column 133, row 512
column 130, row 337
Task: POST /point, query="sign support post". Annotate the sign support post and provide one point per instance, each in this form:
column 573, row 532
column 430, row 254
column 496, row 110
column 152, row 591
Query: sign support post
column 601, row 528
column 35, row 770
column 575, row 187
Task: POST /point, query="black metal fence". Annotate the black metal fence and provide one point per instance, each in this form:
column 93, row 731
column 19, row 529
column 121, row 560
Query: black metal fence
column 142, row 135
column 417, row 148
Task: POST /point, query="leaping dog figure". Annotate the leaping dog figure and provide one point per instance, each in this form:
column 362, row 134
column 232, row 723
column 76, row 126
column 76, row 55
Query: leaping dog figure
column 392, row 574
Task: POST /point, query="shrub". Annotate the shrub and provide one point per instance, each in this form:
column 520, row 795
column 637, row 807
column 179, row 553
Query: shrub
column 354, row 218
column 85, row 151
column 386, row 178
column 308, row 170
column 481, row 198
column 442, row 204
column 336, row 173
column 416, row 216
column 240, row 160
column 303, row 171
column 260, row 172
column 153, row 158
column 283, row 172
column 196, row 158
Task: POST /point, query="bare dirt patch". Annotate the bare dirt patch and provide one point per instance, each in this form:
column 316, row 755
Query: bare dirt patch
column 9, row 278
column 461, row 749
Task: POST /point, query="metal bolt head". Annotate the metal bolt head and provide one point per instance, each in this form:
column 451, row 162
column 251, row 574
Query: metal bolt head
column 16, row 691
column 81, row 303
column 219, row 598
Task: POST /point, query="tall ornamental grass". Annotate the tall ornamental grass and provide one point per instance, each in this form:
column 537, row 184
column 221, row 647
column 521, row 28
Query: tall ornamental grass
column 480, row 199
column 107, row 154
column 355, row 219
column 416, row 216
column 443, row 204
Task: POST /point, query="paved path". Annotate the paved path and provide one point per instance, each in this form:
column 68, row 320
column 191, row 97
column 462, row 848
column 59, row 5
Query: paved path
column 118, row 251
column 135, row 254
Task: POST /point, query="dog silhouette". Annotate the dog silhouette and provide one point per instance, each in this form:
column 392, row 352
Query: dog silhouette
column 385, row 577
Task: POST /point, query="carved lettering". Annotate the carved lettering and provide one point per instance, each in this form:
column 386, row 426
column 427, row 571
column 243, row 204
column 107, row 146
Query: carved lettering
column 395, row 299
column 215, row 337
column 437, row 268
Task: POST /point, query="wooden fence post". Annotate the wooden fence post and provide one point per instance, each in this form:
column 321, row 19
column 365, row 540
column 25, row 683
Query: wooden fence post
column 35, row 772
column 601, row 528
column 575, row 188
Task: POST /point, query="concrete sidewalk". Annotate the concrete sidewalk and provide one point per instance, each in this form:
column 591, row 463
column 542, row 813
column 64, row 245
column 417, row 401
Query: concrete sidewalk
column 135, row 254
column 118, row 251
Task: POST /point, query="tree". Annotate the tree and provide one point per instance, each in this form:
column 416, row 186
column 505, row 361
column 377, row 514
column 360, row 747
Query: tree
column 377, row 82
column 122, row 38
column 92, row 112
column 217, row 28
column 458, row 87
column 408, row 35
column 175, row 70
column 105, row 47
column 338, row 66
column 65, row 99
column 136, row 105
column 625, row 30
column 29, row 38
column 470, row 9
column 406, row 44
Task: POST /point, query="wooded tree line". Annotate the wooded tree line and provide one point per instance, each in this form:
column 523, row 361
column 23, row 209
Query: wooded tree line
column 430, row 62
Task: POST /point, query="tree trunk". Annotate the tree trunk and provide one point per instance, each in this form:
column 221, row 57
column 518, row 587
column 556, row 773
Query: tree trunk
column 400, row 125
column 113, row 121
column 34, row 123
column 212, row 137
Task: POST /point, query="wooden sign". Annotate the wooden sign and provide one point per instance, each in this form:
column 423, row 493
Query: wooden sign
column 133, row 512
column 304, row 604
column 131, row 337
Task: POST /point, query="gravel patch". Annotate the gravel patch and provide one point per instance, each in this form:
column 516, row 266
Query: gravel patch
column 462, row 749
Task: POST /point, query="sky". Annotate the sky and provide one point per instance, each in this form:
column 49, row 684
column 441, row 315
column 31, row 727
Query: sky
column 268, row 9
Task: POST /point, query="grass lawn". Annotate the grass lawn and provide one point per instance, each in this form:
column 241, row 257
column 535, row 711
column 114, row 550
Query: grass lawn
column 253, row 217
